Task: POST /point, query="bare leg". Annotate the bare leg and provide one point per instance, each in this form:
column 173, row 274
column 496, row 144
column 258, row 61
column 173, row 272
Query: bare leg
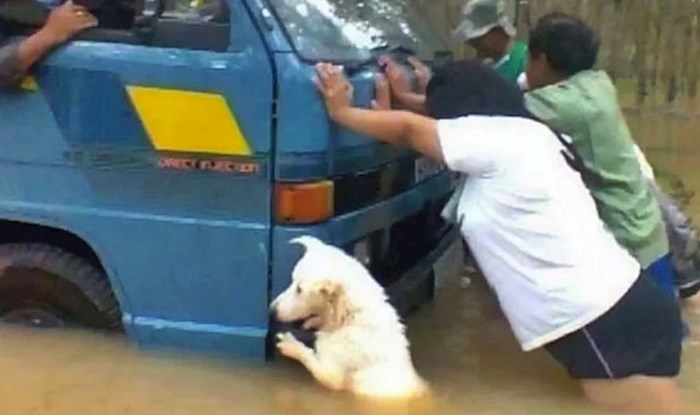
column 635, row 395
column 326, row 373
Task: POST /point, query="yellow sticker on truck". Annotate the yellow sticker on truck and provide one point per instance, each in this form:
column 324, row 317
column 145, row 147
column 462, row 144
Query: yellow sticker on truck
column 188, row 121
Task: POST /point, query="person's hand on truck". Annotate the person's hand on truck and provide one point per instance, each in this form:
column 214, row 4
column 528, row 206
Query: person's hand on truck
column 64, row 22
column 382, row 94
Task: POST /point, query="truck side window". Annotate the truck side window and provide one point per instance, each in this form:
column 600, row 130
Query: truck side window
column 214, row 11
column 183, row 24
column 115, row 14
column 189, row 24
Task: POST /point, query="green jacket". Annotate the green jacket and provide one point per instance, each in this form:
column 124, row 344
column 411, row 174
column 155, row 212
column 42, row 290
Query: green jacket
column 585, row 108
column 514, row 63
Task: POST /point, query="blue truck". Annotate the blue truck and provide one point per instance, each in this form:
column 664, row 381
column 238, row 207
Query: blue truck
column 154, row 169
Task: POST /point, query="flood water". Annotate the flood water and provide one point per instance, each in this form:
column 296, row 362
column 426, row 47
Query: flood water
column 461, row 345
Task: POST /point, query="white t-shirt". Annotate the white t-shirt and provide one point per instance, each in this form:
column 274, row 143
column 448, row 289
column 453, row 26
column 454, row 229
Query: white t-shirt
column 533, row 227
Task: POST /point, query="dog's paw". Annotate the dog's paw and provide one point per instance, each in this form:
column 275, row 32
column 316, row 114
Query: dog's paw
column 289, row 346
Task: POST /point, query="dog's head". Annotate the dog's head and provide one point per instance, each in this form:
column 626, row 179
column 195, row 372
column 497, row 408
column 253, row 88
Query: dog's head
column 324, row 282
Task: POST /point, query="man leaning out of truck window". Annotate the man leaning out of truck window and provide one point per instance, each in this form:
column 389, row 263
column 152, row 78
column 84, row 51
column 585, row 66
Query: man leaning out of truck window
column 63, row 23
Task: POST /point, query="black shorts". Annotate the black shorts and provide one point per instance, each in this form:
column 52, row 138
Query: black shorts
column 640, row 335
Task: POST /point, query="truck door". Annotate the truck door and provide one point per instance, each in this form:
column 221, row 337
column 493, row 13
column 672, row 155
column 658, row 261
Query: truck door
column 159, row 136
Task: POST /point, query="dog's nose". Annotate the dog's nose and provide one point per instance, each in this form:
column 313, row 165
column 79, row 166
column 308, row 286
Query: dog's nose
column 273, row 307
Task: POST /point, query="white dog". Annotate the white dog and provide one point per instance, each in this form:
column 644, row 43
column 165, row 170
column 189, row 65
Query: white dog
column 361, row 345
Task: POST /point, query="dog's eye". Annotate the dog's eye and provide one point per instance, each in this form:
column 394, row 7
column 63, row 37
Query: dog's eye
column 298, row 289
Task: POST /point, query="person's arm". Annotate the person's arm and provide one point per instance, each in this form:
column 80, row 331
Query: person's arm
column 413, row 102
column 382, row 93
column 401, row 86
column 63, row 23
column 17, row 58
column 33, row 48
column 422, row 72
column 400, row 128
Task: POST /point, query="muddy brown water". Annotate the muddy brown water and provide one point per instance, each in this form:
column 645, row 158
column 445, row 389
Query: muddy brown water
column 461, row 344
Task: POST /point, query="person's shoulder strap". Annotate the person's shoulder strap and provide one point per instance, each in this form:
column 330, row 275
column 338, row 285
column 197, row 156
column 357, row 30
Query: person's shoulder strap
column 575, row 161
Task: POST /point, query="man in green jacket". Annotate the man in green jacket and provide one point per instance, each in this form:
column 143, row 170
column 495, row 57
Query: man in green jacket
column 580, row 102
column 487, row 28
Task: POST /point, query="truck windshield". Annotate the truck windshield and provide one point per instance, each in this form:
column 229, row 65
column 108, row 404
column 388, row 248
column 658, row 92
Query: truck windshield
column 353, row 30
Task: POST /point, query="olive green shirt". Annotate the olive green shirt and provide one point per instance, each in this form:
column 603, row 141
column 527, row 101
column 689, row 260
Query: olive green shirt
column 585, row 108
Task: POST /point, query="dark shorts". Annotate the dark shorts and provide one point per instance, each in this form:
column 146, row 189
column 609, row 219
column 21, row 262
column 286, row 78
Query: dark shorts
column 640, row 335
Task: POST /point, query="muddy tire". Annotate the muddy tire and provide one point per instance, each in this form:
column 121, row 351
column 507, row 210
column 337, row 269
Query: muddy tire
column 44, row 286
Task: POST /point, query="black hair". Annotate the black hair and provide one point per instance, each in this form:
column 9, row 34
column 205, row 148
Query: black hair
column 469, row 87
column 569, row 44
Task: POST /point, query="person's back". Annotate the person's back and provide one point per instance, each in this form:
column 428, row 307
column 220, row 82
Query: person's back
column 585, row 107
column 552, row 274
column 578, row 101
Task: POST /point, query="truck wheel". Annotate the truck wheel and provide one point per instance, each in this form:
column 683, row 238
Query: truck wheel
column 44, row 286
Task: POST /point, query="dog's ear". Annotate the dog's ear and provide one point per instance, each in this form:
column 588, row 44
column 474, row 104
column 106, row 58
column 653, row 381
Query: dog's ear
column 336, row 310
column 330, row 290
